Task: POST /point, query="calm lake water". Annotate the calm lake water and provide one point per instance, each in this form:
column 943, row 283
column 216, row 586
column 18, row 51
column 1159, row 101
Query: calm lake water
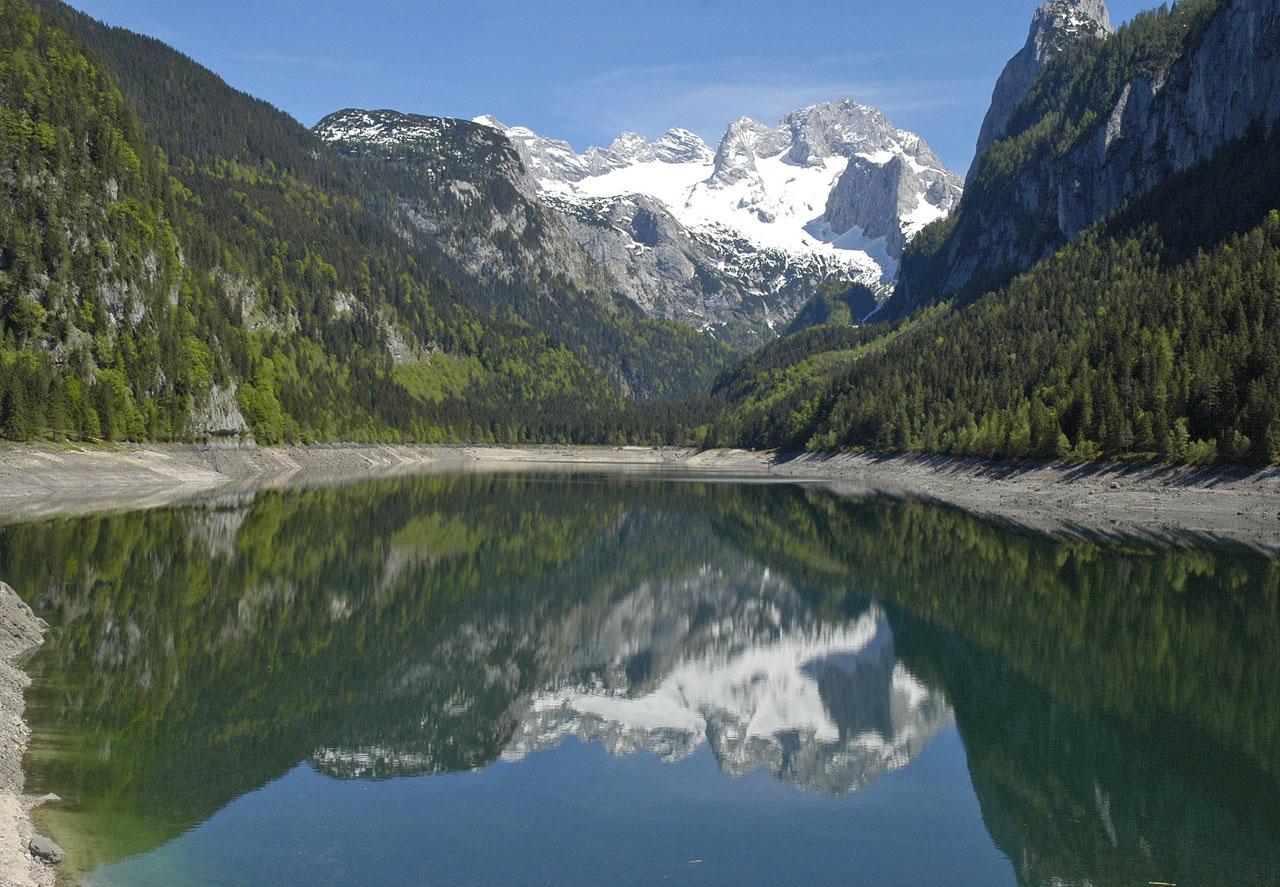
column 586, row 679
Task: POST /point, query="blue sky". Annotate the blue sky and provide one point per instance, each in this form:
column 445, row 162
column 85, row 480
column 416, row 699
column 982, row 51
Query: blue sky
column 585, row 71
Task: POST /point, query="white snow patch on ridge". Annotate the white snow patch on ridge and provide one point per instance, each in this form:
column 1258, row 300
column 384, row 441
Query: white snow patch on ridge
column 768, row 185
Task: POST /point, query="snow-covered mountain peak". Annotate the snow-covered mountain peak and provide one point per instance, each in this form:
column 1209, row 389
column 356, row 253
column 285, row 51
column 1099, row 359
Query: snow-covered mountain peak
column 632, row 146
column 764, row 141
column 735, row 158
column 492, row 122
column 837, row 129
column 733, row 241
column 626, row 150
column 545, row 159
column 773, row 186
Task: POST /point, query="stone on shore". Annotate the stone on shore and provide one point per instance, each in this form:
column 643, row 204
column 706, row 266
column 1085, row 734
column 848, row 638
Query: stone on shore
column 44, row 848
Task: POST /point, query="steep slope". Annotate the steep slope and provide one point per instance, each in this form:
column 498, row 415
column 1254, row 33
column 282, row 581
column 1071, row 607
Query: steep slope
column 1055, row 26
column 182, row 260
column 465, row 188
column 91, row 277
column 1106, row 121
column 460, row 190
column 836, row 301
column 745, row 233
column 1154, row 334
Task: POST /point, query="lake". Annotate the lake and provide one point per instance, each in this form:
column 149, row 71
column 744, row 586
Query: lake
column 586, row 678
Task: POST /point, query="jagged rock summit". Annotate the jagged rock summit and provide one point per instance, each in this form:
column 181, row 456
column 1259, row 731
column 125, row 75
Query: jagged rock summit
column 834, row 180
column 733, row 241
column 1221, row 86
column 1056, row 25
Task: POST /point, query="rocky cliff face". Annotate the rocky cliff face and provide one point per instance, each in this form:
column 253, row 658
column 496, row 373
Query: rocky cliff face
column 1152, row 128
column 890, row 201
column 733, row 241
column 715, row 280
column 741, row 236
column 1056, row 25
column 480, row 205
column 1160, row 127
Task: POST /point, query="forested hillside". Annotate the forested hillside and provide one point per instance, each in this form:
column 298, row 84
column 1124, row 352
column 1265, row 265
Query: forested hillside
column 1154, row 335
column 181, row 260
column 87, row 247
column 459, row 191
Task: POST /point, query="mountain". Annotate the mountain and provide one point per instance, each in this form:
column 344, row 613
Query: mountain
column 1107, row 121
column 460, row 191
column 1107, row 286
column 480, row 194
column 179, row 260
column 746, row 232
column 1055, row 26
column 182, row 260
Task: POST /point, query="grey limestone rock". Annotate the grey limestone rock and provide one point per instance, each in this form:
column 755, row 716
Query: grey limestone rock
column 744, row 141
column 1055, row 25
column 704, row 273
column 682, row 146
column 45, row 849
column 542, row 157
column 669, row 271
column 1157, row 128
column 837, row 129
column 875, row 197
column 219, row 415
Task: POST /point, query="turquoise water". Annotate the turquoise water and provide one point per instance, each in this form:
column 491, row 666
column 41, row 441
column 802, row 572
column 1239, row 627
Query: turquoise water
column 559, row 679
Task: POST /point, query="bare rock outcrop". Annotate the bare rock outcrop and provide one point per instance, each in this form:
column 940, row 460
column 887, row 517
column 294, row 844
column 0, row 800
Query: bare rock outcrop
column 1056, row 24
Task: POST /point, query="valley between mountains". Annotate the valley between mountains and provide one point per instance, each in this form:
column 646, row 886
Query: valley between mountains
column 978, row 459
column 182, row 262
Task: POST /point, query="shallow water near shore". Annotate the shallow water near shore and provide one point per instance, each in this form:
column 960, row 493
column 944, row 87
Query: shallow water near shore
column 577, row 679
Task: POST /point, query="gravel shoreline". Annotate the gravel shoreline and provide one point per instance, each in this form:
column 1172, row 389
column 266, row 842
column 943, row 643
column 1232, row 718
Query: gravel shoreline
column 1183, row 504
column 20, row 633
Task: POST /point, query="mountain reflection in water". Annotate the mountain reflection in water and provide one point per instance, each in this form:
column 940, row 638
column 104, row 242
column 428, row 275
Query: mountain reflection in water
column 730, row 655
column 740, row 662
column 1115, row 702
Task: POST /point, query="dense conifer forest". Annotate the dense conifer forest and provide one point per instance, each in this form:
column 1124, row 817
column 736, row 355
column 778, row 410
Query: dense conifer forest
column 173, row 249
column 1155, row 335
column 1132, row 342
